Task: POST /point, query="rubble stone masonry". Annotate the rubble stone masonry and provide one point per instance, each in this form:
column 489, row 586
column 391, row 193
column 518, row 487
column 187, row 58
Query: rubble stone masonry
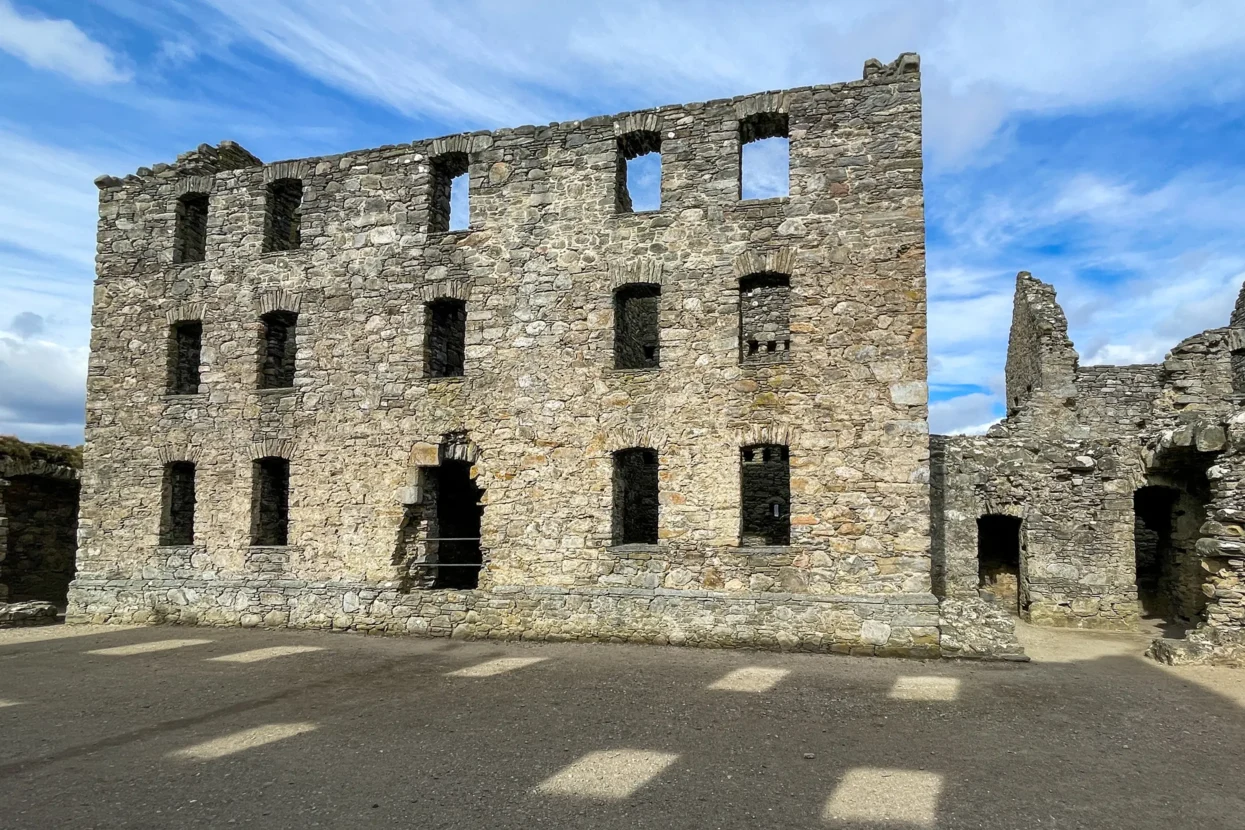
column 351, row 255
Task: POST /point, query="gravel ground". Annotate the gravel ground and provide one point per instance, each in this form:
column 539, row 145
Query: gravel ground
column 307, row 729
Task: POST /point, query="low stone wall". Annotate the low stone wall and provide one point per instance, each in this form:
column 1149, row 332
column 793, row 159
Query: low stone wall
column 15, row 614
column 904, row 625
column 977, row 629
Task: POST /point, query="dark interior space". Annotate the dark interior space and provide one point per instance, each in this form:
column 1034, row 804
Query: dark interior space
column 635, row 497
column 283, row 215
column 458, row 526
column 278, row 349
column 177, row 525
column 637, row 310
column 185, row 354
column 270, row 502
column 765, row 501
column 998, row 558
column 446, row 341
column 190, row 228
column 764, row 318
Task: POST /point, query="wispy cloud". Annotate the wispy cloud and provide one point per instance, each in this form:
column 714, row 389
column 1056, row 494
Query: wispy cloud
column 58, row 46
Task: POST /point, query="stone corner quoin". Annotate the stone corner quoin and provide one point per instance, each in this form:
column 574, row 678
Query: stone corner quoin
column 312, row 404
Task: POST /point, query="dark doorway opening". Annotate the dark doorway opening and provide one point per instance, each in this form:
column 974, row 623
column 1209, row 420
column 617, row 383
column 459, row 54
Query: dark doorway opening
column 445, row 343
column 177, row 525
column 42, row 538
column 1167, row 524
column 765, row 500
column 458, row 511
column 998, row 558
column 637, row 338
column 270, row 502
column 278, row 349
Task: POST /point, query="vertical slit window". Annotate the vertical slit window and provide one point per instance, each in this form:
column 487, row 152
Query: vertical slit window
column 446, row 339
column 764, row 318
column 635, row 497
column 764, row 156
column 765, row 503
column 449, row 207
column 283, row 215
column 270, row 501
column 190, row 228
column 637, row 326
column 638, row 176
column 177, row 517
column 278, row 349
column 185, row 353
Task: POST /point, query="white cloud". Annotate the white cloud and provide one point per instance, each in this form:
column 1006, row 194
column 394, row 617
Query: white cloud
column 971, row 414
column 504, row 64
column 57, row 45
column 44, row 389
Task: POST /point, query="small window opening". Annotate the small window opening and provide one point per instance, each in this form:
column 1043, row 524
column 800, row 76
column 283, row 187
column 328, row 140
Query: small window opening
column 177, row 516
column 185, row 353
column 450, row 202
column 459, row 513
column 278, row 349
column 764, row 316
column 765, row 484
column 998, row 558
column 270, row 501
column 764, row 156
column 635, row 497
column 446, row 340
column 637, row 327
column 283, row 215
column 190, row 228
column 638, row 180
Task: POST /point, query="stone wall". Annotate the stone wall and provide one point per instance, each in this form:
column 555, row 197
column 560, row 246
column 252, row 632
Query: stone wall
column 38, row 521
column 539, row 406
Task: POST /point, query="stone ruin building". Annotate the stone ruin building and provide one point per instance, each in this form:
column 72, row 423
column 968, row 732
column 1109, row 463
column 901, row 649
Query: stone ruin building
column 315, row 402
column 1108, row 495
column 38, row 529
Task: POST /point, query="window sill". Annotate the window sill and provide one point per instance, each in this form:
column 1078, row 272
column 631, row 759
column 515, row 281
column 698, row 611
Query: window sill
column 195, row 547
column 618, row 214
column 189, row 263
column 640, row 370
column 776, row 359
column 763, row 549
column 769, row 200
column 277, row 390
column 444, row 378
column 271, row 548
column 453, row 233
column 278, row 254
column 185, row 397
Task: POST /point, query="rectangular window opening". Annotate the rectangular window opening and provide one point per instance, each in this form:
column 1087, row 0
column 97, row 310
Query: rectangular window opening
column 190, row 228
column 177, row 518
column 270, row 502
column 637, row 326
column 638, row 177
column 446, row 340
column 449, row 206
column 764, row 318
column 998, row 558
column 764, row 157
column 765, row 483
column 185, row 353
column 635, row 507
column 278, row 349
column 283, row 215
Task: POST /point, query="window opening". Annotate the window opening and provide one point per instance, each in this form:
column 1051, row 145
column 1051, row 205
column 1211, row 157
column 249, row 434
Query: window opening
column 446, row 340
column 764, row 317
column 458, row 511
column 283, row 215
column 637, row 326
column 450, row 202
column 635, row 509
column 765, row 483
column 270, row 501
column 278, row 349
column 764, row 156
column 638, row 179
column 177, row 526
column 185, row 353
column 190, row 228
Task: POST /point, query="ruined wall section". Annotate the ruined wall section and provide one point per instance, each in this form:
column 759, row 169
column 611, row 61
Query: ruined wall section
column 1041, row 361
column 540, row 398
column 38, row 520
column 1118, row 402
column 1197, row 377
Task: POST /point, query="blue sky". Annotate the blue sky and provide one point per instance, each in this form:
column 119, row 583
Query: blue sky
column 1099, row 145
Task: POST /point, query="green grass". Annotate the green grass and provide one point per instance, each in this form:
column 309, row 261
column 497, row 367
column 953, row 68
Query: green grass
column 11, row 447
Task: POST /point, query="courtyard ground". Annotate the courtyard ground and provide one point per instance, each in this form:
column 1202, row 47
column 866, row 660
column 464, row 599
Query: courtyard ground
column 199, row 727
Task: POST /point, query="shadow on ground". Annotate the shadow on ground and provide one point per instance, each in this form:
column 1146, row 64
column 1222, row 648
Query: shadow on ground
column 151, row 727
